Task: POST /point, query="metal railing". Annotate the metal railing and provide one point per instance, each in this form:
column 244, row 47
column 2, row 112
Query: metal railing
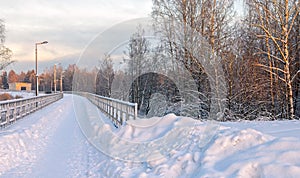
column 117, row 110
column 12, row 110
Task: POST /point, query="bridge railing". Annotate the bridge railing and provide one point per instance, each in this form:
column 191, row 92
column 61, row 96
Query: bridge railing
column 117, row 110
column 12, row 110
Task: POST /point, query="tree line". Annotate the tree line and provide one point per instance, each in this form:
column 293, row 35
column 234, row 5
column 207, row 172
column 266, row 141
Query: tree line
column 259, row 53
column 46, row 79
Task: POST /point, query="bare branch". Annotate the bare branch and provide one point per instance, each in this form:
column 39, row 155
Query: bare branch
column 269, row 67
column 274, row 40
column 266, row 68
column 293, row 78
column 275, row 57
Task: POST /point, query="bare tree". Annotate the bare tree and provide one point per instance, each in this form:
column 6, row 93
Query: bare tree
column 184, row 26
column 276, row 21
column 5, row 53
column 137, row 62
column 105, row 77
column 12, row 77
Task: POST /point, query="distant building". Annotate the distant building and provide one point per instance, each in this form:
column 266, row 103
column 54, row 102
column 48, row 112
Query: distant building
column 20, row 86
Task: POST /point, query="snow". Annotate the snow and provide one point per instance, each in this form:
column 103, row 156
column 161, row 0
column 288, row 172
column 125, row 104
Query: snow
column 71, row 138
column 24, row 94
column 48, row 143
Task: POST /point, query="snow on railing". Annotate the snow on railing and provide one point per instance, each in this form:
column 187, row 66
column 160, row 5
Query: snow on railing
column 12, row 110
column 117, row 110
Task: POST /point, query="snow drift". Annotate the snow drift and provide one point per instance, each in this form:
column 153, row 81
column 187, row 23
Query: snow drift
column 232, row 152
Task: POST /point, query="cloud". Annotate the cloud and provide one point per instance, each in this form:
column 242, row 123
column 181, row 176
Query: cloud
column 68, row 25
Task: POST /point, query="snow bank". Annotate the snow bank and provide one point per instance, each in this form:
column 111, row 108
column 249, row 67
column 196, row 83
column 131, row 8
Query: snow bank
column 23, row 94
column 232, row 152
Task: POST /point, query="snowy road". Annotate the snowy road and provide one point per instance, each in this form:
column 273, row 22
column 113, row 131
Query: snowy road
column 50, row 143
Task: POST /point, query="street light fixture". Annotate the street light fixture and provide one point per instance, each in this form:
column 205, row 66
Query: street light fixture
column 36, row 68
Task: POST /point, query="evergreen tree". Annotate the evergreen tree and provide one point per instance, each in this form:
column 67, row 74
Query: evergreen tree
column 4, row 80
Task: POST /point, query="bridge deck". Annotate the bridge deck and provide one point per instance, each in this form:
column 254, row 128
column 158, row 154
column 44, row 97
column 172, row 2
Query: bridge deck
column 47, row 143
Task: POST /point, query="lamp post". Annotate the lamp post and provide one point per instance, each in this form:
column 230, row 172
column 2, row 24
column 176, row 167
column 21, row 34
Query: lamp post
column 54, row 77
column 61, row 82
column 36, row 68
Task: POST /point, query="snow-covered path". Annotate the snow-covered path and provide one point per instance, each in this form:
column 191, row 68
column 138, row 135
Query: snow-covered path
column 65, row 150
column 50, row 143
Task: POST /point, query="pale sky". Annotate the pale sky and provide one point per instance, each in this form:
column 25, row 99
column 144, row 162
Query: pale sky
column 68, row 25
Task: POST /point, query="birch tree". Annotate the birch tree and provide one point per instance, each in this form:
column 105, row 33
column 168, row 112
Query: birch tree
column 276, row 20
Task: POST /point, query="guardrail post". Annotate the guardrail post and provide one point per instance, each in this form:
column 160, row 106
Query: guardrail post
column 135, row 111
column 15, row 111
column 7, row 113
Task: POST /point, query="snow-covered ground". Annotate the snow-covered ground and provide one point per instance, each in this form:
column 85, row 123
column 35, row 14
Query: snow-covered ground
column 23, row 94
column 53, row 143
